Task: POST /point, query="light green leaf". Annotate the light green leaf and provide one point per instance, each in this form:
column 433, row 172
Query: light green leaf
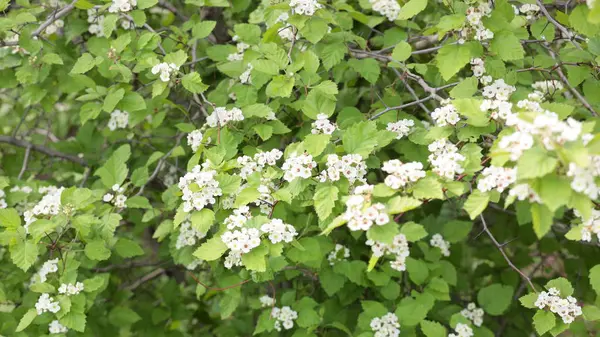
column 112, row 99
column 24, row 254
column 84, row 63
column 543, row 321
column 193, row 83
column 360, row 138
column 211, row 249
column 402, row 51
column 128, row 248
column 495, row 299
column 96, row 250
column 324, row 199
column 203, row 220
column 476, row 203
column 9, row 218
column 280, row 86
column 412, row 8
column 26, row 319
column 203, row 29
column 451, row 58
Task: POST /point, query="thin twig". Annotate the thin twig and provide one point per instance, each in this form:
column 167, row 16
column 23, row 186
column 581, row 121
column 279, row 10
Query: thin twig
column 153, row 274
column 43, row 149
column 406, row 105
column 25, row 160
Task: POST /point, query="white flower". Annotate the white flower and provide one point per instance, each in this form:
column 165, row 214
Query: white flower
column 498, row 178
column 49, row 205
column 350, row 166
column 194, row 139
column 398, row 249
column 70, row 289
column 445, row 158
column 590, row 226
column 284, row 316
column 340, row 253
column 445, row 115
column 257, row 163
column 401, row 174
column 46, row 303
column 462, row 330
column 298, row 166
column 566, row 308
column 584, row 178
column 387, row 8
column 118, row 120
column 305, row 7
column 471, row 312
column 516, row 143
column 205, row 189
column 50, row 266
column 221, row 116
column 122, row 6
column 266, row 301
column 279, row 231
column 401, row 127
column 386, row 326
column 360, row 213
column 188, row 235
column 245, row 76
column 524, row 192
column 165, row 70
column 322, row 125
column 437, row 240
column 56, row 328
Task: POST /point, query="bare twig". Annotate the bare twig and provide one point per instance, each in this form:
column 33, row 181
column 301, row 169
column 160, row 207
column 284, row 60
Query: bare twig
column 406, row 105
column 565, row 32
column 148, row 277
column 42, row 149
column 25, row 161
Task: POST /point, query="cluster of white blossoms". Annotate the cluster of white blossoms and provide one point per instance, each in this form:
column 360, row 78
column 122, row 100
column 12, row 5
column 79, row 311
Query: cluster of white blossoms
column 279, row 231
column 529, row 10
column 56, row 328
column 221, row 116
column 116, row 198
column 516, row 143
column 54, row 27
column 387, row 8
column 474, row 27
column 402, row 127
column 398, row 248
column 199, row 188
column 48, row 205
column 305, row 7
column 566, row 308
column 24, row 189
column 194, row 139
column 445, row 158
column 360, row 213
column 118, row 120
column 437, row 240
column 194, row 264
column 473, row 313
column 96, row 21
column 245, row 77
column 3, row 203
column 400, row 174
column 498, row 178
column 266, row 301
column 498, row 90
column 322, row 125
column 298, row 166
column 462, row 330
column 445, row 115
column 549, row 87
column 50, row 266
column 591, row 226
column 351, row 166
column 478, row 68
column 46, row 303
column 386, row 325
column 241, row 48
column 257, row 163
column 122, row 6
column 340, row 253
column 496, row 99
column 524, row 192
column 238, row 239
column 70, row 289
column 284, row 317
column 165, row 70
column 188, row 235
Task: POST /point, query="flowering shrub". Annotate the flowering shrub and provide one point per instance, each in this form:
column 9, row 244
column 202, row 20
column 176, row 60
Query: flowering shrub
column 299, row 168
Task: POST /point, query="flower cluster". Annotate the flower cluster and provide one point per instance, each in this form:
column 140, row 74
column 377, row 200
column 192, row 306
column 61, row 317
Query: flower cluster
column 351, row 166
column 46, row 303
column 498, row 90
column 258, row 162
column 516, row 143
column 462, row 330
column 221, row 116
column 524, row 192
column 360, row 213
column 266, row 301
column 50, row 266
column 398, row 248
column 54, row 27
column 194, row 139
column 245, row 77
column 498, row 178
column 473, row 313
column 386, row 326
column 118, row 198
column 445, row 158
column 478, row 68
column 548, row 87
column 241, row 48
column 48, row 205
column 165, row 70
column 240, row 242
column 566, row 308
column 474, row 25
column 322, row 125
column 590, row 226
column 284, row 316
column 529, row 10
column 56, row 328
column 437, row 240
column 118, row 120
column 387, row 8
column 188, row 235
column 340, row 253
column 400, row 174
column 70, row 289
column 445, row 115
column 96, row 21
column 305, row 7
column 122, row 6
column 3, row 203
column 199, row 188
column 298, row 166
column 402, row 127
column 279, row 231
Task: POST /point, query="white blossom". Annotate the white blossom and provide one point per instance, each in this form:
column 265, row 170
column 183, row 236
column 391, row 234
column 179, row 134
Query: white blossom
column 266, row 301
column 188, row 235
column 165, row 70
column 498, row 178
column 524, row 192
column 50, row 266
column 49, row 205
column 54, row 27
column 566, row 308
column 56, row 328
column 340, row 253
column 591, row 226
column 199, row 189
column 221, row 116
column 284, row 317
column 122, row 6
column 400, row 174
column 386, row 326
column 530, row 10
column 245, row 77
column 387, row 8
column 279, row 231
column 360, row 213
column 298, row 166
column 194, row 139
column 46, row 303
column 473, row 313
column 305, row 7
column 437, row 240
column 398, row 249
column 445, row 158
column 462, row 330
column 322, row 125
column 118, row 120
column 516, row 143
column 71, row 289
column 402, row 127
column 257, row 163
column 350, row 166
column 445, row 115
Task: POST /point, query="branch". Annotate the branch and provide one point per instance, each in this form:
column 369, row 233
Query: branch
column 420, row 101
column 217, row 289
column 153, row 274
column 501, row 249
column 42, row 149
column 556, row 24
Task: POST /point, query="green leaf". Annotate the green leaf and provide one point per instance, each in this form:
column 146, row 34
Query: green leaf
column 360, row 138
column 591, row 313
column 428, row 188
column 114, row 171
column 84, row 64
column 543, row 321
column 332, row 54
column 401, row 204
column 9, row 218
column 324, row 198
column 413, row 231
column 193, row 83
column 541, row 218
column 314, row 144
column 74, row 320
column 417, row 270
column 138, row 202
column 563, row 285
column 96, row 250
column 128, row 248
column 211, row 249
column 412, row 8
column 203, row 29
column 246, row 196
column 203, row 220
column 143, row 4
column 112, row 99
column 495, row 299
column 330, row 281
column 402, row 51
column 132, row 101
column 26, row 319
column 123, row 316
column 280, row 86
column 255, row 259
column 51, row 58
column 24, row 254
column 466, row 89
column 367, row 68
column 595, row 278
column 314, row 30
column 507, row 45
column 456, row 230
column 535, row 163
column 528, row 301
column 433, row 329
column 476, row 203
column 470, row 108
column 451, row 58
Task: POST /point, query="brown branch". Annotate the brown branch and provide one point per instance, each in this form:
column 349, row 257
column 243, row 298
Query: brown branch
column 42, row 149
column 148, row 277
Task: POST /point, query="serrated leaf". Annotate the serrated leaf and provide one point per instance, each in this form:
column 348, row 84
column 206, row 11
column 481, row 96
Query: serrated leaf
column 324, row 199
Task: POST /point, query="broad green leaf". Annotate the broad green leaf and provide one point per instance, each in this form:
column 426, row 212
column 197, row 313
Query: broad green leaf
column 360, row 138
column 476, row 203
column 412, row 8
column 96, row 250
column 211, row 249
column 451, row 58
column 495, row 299
column 24, row 254
column 26, row 319
column 402, row 51
column 128, row 248
column 193, row 83
column 543, row 321
column 9, row 218
column 203, row 220
column 324, row 198
column 84, row 63
column 280, row 86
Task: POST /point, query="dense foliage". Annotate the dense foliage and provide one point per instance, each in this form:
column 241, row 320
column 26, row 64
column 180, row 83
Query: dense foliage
column 299, row 168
